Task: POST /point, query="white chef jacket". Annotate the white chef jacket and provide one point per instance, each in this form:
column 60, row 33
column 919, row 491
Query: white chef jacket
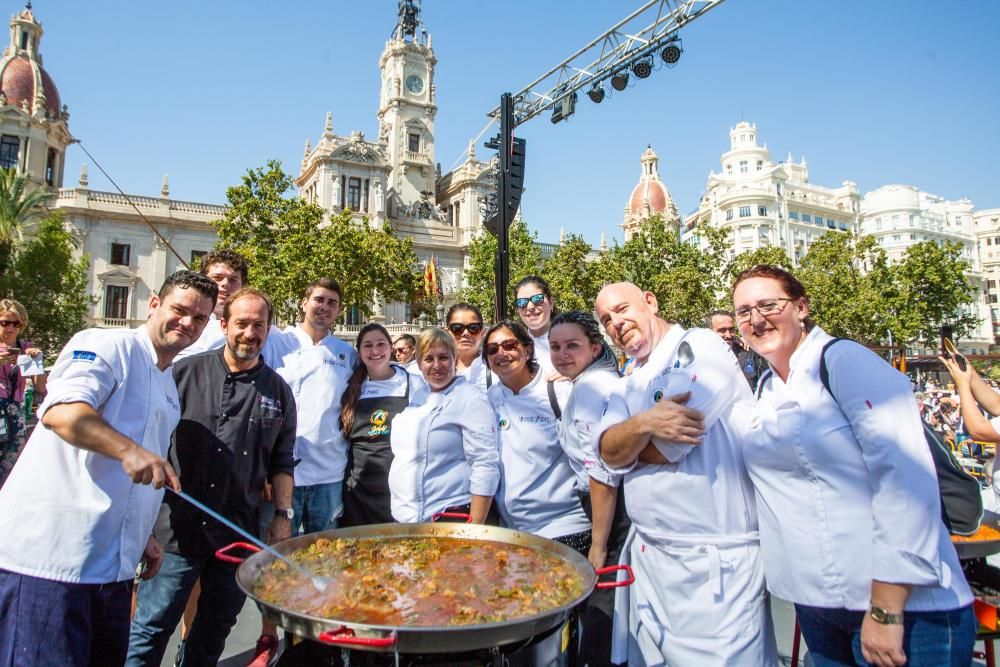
column 537, row 486
column 580, row 418
column 392, row 386
column 848, row 493
column 445, row 448
column 71, row 515
column 542, row 354
column 705, row 490
column 318, row 375
column 478, row 374
column 211, row 338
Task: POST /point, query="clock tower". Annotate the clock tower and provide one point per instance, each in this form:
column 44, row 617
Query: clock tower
column 407, row 108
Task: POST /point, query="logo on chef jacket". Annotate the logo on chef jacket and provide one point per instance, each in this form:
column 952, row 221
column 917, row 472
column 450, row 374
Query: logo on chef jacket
column 657, row 395
column 379, row 423
column 83, row 357
column 503, row 424
column 270, row 408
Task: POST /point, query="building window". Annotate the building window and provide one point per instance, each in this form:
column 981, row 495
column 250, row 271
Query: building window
column 354, row 194
column 120, row 253
column 50, row 167
column 115, row 302
column 760, row 165
column 343, row 191
column 744, row 211
column 806, row 217
column 793, row 215
column 729, row 214
column 9, row 148
column 913, row 237
column 989, row 241
column 364, row 204
column 842, row 226
column 196, row 256
column 831, row 224
column 762, row 211
column 729, row 169
column 24, row 40
column 458, row 212
column 743, row 166
column 991, row 284
column 414, row 142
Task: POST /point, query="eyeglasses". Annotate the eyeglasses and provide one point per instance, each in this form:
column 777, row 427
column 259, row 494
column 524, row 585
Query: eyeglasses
column 508, row 345
column 765, row 307
column 522, row 302
column 398, row 350
column 457, row 328
column 6, row 324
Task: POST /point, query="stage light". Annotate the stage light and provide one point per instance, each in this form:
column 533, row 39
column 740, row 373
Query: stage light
column 596, row 94
column 642, row 68
column 672, row 52
column 620, row 80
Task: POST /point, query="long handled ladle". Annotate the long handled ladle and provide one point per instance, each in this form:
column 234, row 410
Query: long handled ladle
column 319, row 582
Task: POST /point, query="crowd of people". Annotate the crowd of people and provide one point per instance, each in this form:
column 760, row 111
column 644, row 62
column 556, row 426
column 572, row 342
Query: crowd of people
column 717, row 463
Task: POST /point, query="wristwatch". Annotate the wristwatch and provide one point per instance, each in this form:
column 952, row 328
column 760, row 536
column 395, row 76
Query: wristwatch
column 880, row 615
column 286, row 513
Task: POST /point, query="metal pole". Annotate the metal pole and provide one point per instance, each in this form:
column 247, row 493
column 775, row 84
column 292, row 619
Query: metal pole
column 502, row 264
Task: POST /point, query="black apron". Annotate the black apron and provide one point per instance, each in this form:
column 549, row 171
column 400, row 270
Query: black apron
column 366, row 485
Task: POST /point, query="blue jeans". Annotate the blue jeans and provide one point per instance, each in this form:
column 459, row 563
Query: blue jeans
column 45, row 622
column 160, row 604
column 317, row 506
column 930, row 638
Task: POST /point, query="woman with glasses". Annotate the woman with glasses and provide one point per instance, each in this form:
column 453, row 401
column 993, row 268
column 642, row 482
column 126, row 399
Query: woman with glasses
column 13, row 320
column 444, row 445
column 533, row 300
column 465, row 324
column 378, row 390
column 847, row 497
column 580, row 354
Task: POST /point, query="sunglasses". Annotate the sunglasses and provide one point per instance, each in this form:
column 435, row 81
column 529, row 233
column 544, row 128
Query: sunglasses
column 508, row 345
column 457, row 328
column 10, row 323
column 522, row 302
column 402, row 349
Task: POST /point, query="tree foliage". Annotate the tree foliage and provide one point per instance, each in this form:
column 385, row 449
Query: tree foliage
column 525, row 260
column 18, row 204
column 288, row 245
column 52, row 285
column 569, row 273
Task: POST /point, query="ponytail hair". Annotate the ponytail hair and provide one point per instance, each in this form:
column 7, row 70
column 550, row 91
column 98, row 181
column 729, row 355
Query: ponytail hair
column 349, row 399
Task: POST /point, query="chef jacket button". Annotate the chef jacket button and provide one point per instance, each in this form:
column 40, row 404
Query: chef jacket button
column 204, row 523
column 244, row 453
column 211, row 486
column 219, row 449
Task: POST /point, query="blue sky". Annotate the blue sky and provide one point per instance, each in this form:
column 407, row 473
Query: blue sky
column 877, row 92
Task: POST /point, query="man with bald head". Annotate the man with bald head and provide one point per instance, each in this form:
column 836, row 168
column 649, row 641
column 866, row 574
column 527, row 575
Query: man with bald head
column 673, row 429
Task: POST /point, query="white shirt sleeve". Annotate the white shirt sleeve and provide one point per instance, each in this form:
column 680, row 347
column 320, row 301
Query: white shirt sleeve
column 589, row 403
column 906, row 508
column 85, row 372
column 481, row 441
column 616, row 412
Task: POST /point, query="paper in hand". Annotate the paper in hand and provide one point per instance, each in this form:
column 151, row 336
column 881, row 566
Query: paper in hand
column 30, row 366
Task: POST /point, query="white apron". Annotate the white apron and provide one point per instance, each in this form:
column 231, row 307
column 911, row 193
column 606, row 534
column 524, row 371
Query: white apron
column 695, row 601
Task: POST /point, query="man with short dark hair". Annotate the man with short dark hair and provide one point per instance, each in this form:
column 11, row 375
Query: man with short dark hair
column 237, row 429
column 73, row 521
column 751, row 363
column 404, row 350
column 228, row 270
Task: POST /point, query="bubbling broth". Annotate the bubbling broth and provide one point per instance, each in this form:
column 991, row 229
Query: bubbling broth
column 421, row 581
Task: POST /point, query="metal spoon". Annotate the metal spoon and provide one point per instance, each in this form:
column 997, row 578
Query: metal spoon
column 685, row 355
column 319, row 582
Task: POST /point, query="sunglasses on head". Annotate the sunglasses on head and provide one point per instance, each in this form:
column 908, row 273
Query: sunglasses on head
column 508, row 345
column 522, row 302
column 457, row 328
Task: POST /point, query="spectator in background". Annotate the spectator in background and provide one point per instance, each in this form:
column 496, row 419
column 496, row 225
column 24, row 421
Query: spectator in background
column 13, row 320
column 404, row 350
column 751, row 363
column 974, row 396
column 228, row 270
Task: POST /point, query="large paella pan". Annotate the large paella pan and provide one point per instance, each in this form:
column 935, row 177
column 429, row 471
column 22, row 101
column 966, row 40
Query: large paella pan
column 421, row 588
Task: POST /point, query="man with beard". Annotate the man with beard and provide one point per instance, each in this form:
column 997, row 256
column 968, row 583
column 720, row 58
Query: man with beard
column 751, row 363
column 699, row 596
column 77, row 511
column 237, row 429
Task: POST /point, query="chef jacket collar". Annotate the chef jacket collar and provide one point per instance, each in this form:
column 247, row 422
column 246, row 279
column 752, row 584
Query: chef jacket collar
column 220, row 354
column 147, row 344
column 306, row 339
column 803, row 354
column 507, row 392
column 666, row 346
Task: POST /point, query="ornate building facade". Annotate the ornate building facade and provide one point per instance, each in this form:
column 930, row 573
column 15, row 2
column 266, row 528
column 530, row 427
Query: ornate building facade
column 762, row 203
column 649, row 197
column 986, row 224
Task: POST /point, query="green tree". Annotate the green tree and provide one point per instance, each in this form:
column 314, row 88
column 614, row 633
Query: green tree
column 288, row 245
column 932, row 290
column 18, row 205
column 52, row 285
column 849, row 286
column 571, row 276
column 525, row 260
column 773, row 255
column 684, row 277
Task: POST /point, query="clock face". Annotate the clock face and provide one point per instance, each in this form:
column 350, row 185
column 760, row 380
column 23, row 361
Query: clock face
column 414, row 84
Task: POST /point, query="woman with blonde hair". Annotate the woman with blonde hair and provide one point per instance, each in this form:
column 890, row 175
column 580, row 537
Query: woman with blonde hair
column 13, row 321
column 446, row 456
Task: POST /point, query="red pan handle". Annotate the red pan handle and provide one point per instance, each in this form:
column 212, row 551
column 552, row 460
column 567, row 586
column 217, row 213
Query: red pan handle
column 452, row 515
column 345, row 635
column 223, row 553
column 615, row 584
